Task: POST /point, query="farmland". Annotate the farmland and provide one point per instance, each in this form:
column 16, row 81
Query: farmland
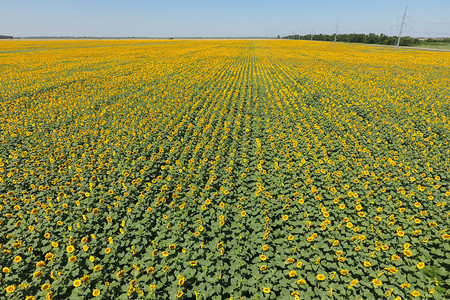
column 209, row 169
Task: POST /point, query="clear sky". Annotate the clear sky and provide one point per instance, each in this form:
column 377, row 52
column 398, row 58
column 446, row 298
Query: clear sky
column 220, row 18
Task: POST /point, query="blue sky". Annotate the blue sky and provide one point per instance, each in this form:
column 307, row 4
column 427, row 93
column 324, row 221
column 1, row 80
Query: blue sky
column 224, row 18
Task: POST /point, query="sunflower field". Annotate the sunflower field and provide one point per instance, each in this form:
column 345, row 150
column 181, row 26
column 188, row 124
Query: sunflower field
column 223, row 169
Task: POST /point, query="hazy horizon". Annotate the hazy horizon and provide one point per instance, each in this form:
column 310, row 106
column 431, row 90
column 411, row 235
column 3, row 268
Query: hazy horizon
column 207, row 19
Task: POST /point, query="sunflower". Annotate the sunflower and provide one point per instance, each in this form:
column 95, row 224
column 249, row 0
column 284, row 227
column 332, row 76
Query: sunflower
column 97, row 268
column 405, row 285
column 376, row 282
column 37, row 274
column 415, row 294
column 73, row 258
column 95, row 293
column 266, row 290
column 45, row 286
column 70, row 248
column 10, row 289
column 77, row 283
column 181, row 281
column 420, row 265
column 321, row 277
column 292, row 273
column 120, row 273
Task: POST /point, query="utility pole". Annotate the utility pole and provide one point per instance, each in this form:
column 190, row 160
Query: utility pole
column 401, row 28
column 335, row 35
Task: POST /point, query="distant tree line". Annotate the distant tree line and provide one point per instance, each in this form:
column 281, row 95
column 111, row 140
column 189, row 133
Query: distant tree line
column 370, row 38
column 4, row 37
column 437, row 40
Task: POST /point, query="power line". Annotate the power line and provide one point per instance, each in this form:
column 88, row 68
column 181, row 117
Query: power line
column 432, row 23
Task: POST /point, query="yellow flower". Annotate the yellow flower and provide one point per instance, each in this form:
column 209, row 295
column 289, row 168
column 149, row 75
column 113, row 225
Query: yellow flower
column 367, row 264
column 10, row 289
column 266, row 290
column 376, row 282
column 407, row 253
column 49, row 256
column 77, row 283
column 120, row 273
column 354, row 282
column 45, row 286
column 17, row 259
column 179, row 294
column 420, row 265
column 37, row 274
column 320, row 277
column 6, row 270
column 263, row 257
column 70, row 248
column 415, row 294
column 301, row 281
column 95, row 293
column 292, row 273
column 393, row 270
column 97, row 268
